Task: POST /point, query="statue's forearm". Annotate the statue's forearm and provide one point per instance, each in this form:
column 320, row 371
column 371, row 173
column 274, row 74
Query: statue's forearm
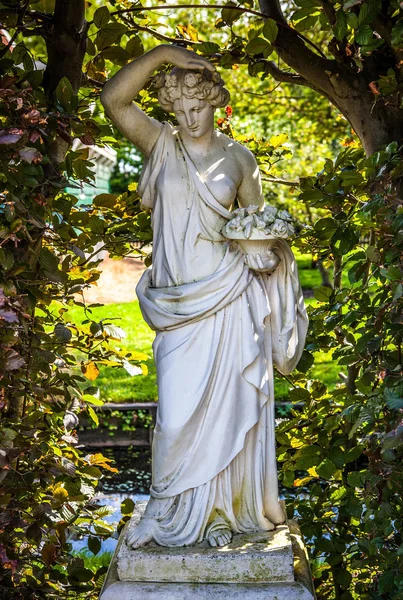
column 124, row 86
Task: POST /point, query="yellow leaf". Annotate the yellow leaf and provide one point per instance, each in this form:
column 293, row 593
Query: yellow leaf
column 303, row 481
column 278, row 140
column 90, row 370
column 144, row 368
column 138, row 356
column 100, row 460
column 296, row 443
column 132, row 186
column 312, row 472
column 60, row 494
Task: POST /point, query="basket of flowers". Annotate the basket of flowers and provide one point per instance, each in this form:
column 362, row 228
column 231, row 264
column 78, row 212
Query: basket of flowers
column 257, row 232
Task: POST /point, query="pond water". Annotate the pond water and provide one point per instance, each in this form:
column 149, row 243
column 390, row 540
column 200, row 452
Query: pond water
column 132, row 481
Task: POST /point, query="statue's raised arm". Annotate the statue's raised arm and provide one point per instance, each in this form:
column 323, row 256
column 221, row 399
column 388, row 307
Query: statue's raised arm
column 119, row 92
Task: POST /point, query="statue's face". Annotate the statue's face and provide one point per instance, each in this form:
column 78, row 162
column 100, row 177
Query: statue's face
column 195, row 116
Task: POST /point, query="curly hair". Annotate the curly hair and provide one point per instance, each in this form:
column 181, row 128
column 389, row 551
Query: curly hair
column 203, row 85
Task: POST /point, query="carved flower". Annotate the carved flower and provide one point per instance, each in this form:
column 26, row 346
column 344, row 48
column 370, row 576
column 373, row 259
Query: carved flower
column 252, row 209
column 259, row 223
column 269, row 217
column 171, row 81
column 159, row 80
column 285, row 215
column 279, row 229
column 246, row 220
column 175, row 93
column 235, row 224
column 239, row 212
column 192, row 79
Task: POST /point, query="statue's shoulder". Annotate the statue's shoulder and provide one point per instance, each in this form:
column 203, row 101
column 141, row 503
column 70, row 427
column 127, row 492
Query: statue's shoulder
column 239, row 151
column 243, row 157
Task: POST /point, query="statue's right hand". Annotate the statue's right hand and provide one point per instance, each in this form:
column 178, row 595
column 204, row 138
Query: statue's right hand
column 186, row 59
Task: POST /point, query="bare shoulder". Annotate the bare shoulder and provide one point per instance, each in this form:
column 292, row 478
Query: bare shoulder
column 245, row 159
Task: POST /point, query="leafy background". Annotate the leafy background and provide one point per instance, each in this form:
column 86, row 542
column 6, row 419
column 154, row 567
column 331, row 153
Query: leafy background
column 317, row 95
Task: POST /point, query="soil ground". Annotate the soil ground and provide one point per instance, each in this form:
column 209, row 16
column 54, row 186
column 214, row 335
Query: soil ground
column 117, row 283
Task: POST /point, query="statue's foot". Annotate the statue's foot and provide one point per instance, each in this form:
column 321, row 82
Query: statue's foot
column 141, row 535
column 219, row 537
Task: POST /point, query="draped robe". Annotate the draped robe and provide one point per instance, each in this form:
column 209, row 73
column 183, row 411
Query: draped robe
column 220, row 327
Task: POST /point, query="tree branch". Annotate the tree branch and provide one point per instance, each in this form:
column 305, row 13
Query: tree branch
column 283, row 76
column 162, row 37
column 175, row 6
column 281, row 181
column 272, row 10
column 292, row 49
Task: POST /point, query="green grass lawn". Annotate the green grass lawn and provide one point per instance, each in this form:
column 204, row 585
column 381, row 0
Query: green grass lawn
column 116, row 385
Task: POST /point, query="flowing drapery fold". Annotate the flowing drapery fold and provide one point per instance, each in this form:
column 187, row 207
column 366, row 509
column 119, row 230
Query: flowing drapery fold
column 219, row 329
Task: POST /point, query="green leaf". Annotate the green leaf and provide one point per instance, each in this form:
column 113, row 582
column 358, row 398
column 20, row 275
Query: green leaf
column 394, row 397
column 369, row 11
column 323, row 293
column 208, row 48
column 229, row 15
column 326, row 227
column 81, row 574
column 288, row 478
column 94, row 544
column 65, row 94
column 305, row 362
column 353, row 454
column 352, row 20
column 386, row 582
column 116, row 54
column 48, row 260
column 105, row 200
column 363, row 35
column 92, row 400
column 356, row 478
column 256, row 46
column 134, row 47
column 270, row 30
column 101, row 17
column 397, row 34
column 93, row 415
column 299, row 395
column 127, row 506
column 326, row 469
column 96, row 224
column 340, row 28
column 307, row 457
column 342, row 577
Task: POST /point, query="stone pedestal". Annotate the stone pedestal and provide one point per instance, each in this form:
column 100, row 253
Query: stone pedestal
column 259, row 566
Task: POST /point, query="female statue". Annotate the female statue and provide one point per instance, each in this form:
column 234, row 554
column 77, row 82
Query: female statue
column 221, row 319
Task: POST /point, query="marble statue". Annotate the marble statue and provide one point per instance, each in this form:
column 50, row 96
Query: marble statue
column 222, row 317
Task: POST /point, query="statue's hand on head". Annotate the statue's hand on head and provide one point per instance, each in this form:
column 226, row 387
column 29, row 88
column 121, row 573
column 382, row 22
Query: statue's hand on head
column 263, row 263
column 186, row 59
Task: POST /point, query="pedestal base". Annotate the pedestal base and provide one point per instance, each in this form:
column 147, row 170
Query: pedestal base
column 259, row 566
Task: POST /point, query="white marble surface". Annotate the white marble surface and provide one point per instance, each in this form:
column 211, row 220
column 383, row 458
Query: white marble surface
column 183, row 591
column 221, row 320
column 251, row 557
column 269, row 566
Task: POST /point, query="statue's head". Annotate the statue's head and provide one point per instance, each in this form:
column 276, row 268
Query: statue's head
column 193, row 96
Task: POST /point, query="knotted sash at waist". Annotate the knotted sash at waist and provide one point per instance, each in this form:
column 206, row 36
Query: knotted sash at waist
column 168, row 308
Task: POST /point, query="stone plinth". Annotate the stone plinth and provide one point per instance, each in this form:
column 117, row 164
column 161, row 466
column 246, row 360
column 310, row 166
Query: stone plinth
column 259, row 566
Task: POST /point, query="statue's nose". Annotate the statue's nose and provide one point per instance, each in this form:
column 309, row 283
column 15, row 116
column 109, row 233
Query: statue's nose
column 189, row 119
